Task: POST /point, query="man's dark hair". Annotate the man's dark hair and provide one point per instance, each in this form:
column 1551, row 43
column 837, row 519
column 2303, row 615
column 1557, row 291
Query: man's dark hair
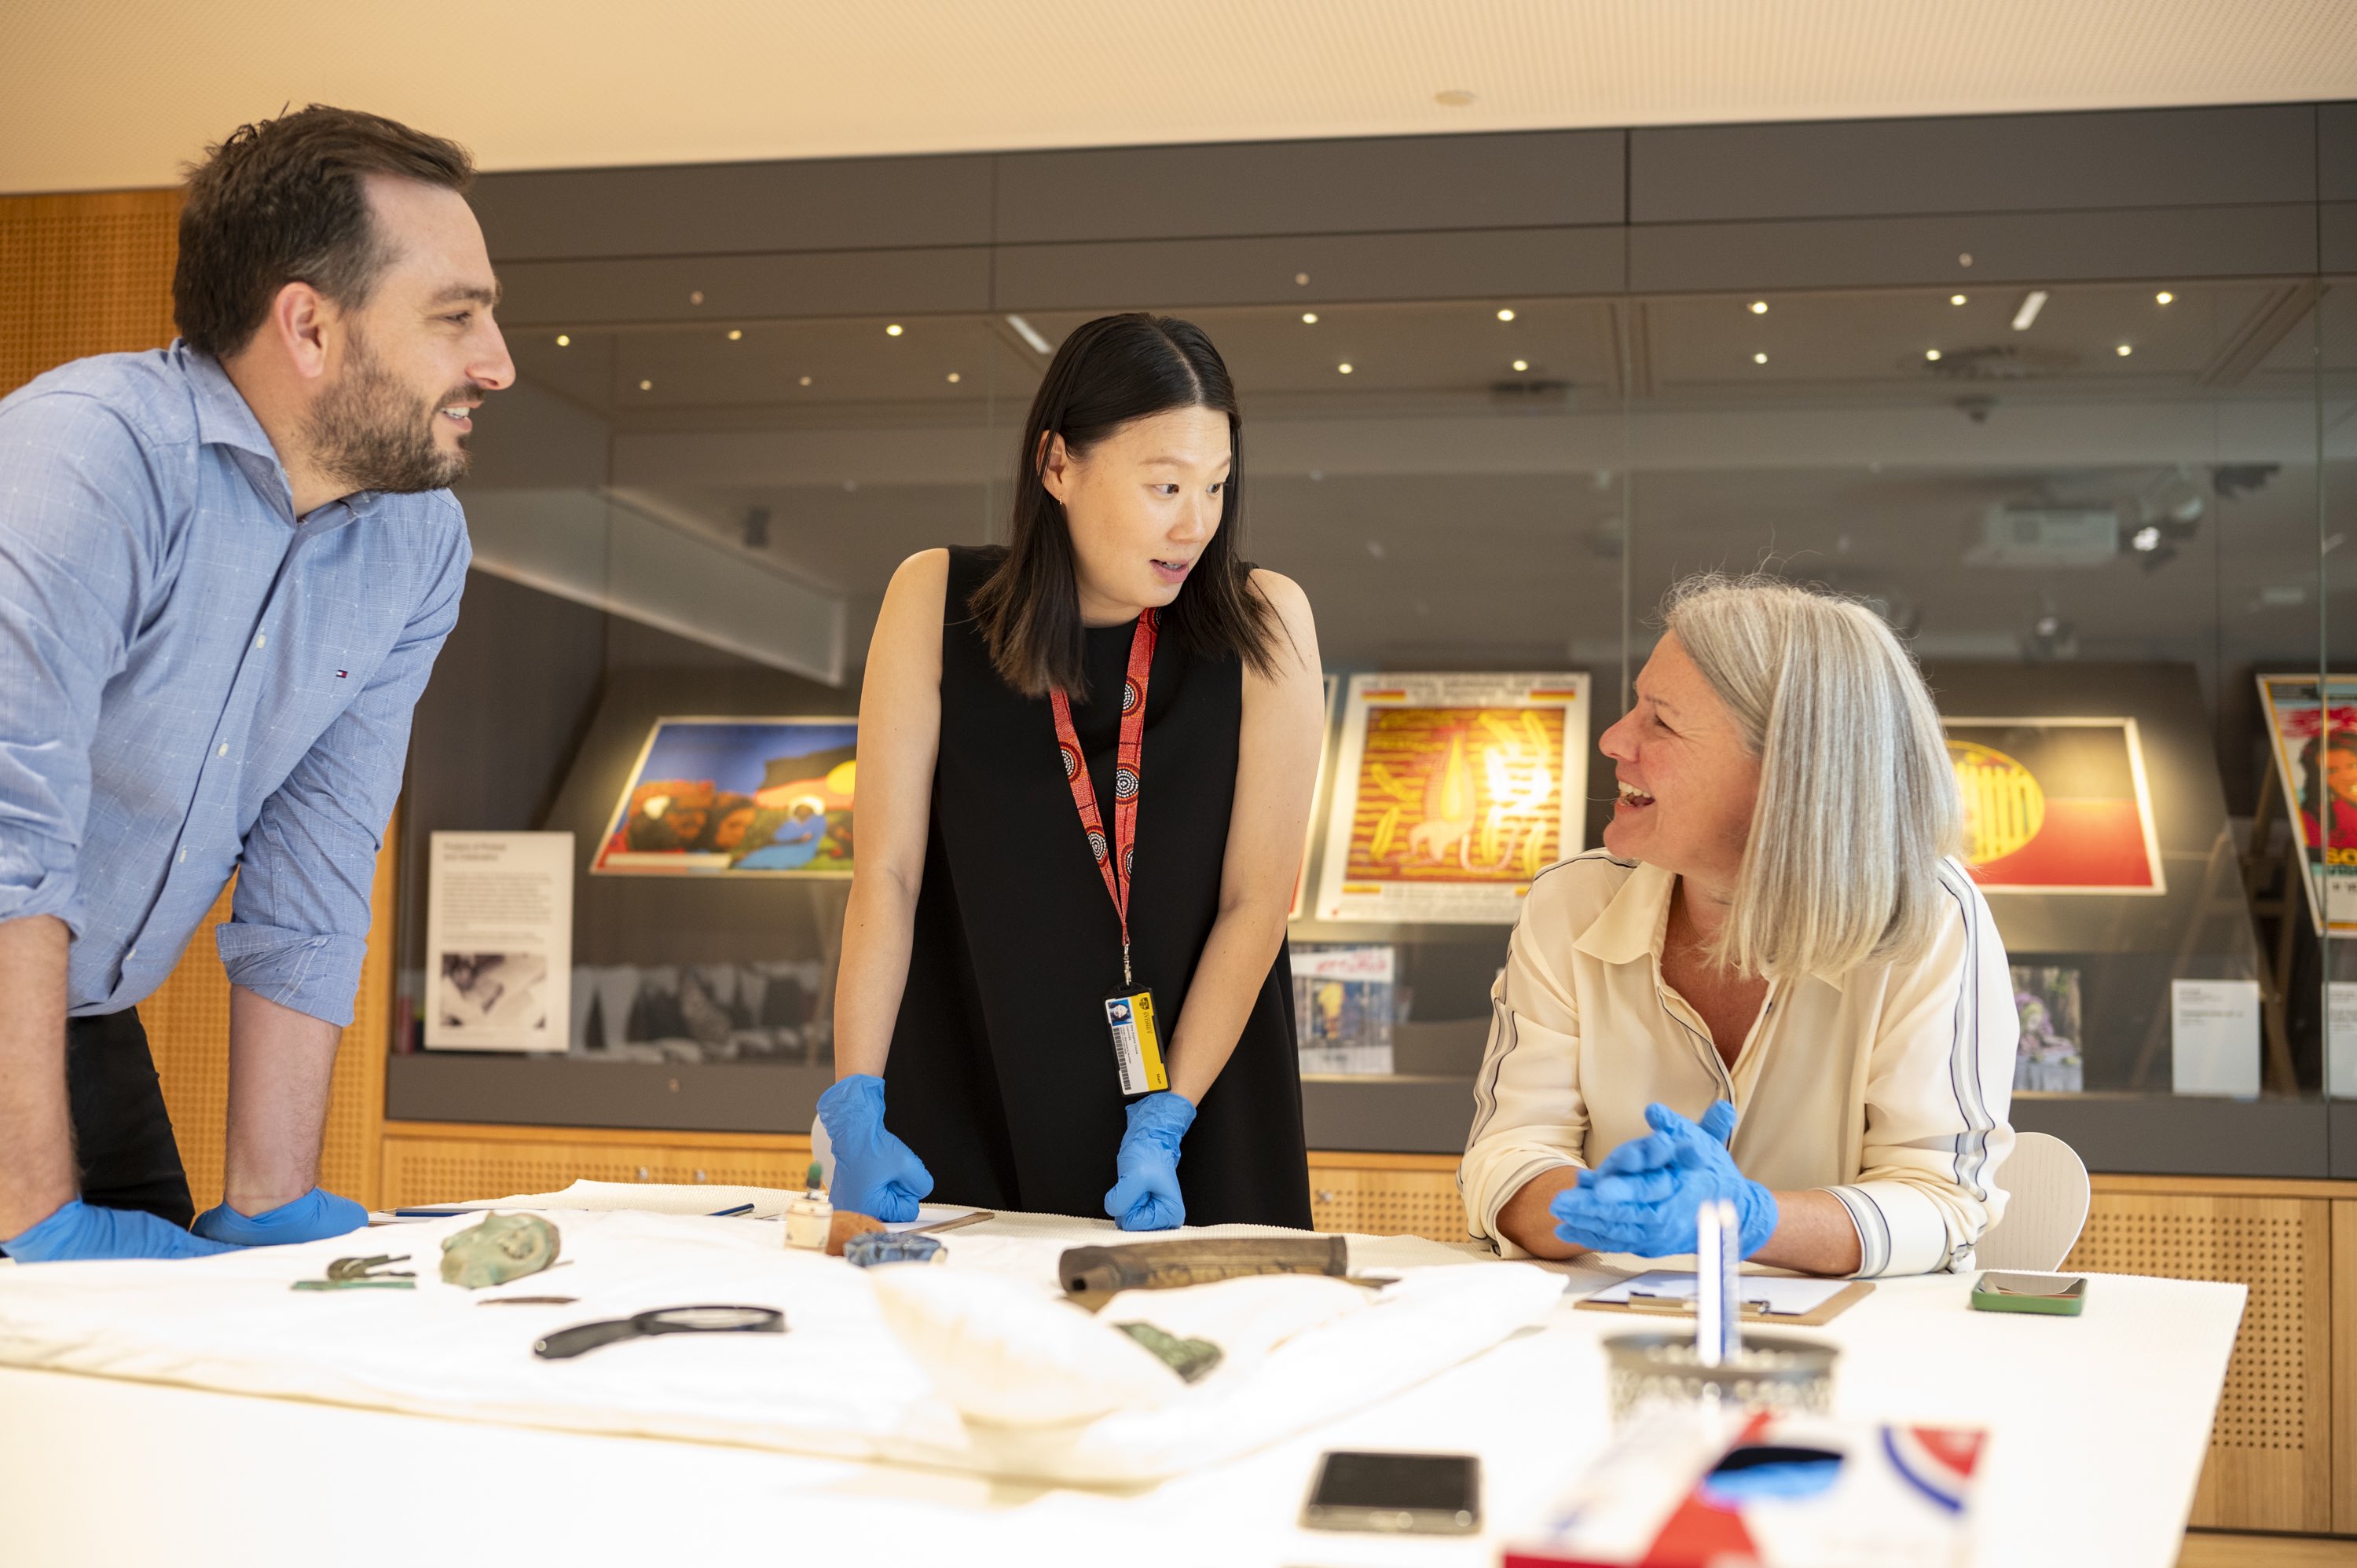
column 286, row 201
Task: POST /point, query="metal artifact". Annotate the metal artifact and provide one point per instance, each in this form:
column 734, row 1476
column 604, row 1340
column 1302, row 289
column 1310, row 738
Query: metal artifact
column 1167, row 1265
column 362, row 1273
column 528, row 1301
column 1191, row 1359
column 844, row 1225
column 882, row 1246
column 504, row 1247
column 567, row 1343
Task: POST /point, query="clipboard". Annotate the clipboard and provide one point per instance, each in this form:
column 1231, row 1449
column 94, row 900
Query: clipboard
column 1824, row 1312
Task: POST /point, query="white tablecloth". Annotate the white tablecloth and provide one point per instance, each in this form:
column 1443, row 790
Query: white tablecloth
column 2100, row 1427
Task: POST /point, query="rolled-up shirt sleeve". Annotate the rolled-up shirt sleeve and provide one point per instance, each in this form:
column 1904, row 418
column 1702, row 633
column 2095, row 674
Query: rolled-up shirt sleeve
column 298, row 927
column 1528, row 1113
column 79, row 515
column 1939, row 1090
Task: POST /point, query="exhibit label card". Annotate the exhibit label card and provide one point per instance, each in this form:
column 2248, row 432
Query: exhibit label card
column 498, row 943
column 2214, row 1036
column 2341, row 1056
column 1451, row 792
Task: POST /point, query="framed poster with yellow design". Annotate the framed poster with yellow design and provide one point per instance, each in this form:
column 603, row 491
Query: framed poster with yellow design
column 1450, row 793
column 736, row 798
column 2312, row 740
column 2056, row 805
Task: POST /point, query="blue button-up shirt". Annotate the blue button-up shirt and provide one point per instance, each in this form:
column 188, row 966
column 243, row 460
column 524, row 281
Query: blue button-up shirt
column 193, row 681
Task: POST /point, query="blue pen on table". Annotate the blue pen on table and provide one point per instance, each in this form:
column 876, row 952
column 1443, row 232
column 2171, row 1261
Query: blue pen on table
column 726, row 1213
column 455, row 1213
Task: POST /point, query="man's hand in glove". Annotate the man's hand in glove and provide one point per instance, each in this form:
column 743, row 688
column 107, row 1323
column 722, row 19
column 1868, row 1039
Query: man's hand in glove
column 78, row 1232
column 313, row 1217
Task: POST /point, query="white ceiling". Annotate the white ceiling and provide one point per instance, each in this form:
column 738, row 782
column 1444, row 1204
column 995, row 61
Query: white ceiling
column 97, row 94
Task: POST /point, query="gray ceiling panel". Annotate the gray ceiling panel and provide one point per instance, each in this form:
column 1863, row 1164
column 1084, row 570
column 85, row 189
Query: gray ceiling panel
column 1313, row 188
column 1999, row 164
column 744, row 288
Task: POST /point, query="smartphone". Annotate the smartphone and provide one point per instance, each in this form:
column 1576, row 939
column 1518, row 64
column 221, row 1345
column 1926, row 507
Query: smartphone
column 1420, row 1494
column 2060, row 1294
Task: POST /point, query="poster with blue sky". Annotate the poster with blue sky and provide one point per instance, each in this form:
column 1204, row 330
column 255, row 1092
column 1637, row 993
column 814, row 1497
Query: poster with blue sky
column 737, row 797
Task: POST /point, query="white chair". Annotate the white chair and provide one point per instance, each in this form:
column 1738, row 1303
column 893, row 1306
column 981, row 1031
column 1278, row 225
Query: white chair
column 2046, row 1210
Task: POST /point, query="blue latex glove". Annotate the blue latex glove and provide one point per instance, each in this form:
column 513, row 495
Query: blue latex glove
column 875, row 1172
column 1644, row 1198
column 314, row 1217
column 77, row 1232
column 1145, row 1196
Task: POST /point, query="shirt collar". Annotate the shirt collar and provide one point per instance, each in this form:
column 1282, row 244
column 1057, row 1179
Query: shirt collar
column 225, row 419
column 1634, row 926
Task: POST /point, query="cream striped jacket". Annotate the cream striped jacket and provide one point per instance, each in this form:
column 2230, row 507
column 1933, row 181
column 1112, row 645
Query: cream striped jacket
column 1888, row 1087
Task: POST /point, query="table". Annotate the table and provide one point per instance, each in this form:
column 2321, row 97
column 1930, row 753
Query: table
column 2101, row 1426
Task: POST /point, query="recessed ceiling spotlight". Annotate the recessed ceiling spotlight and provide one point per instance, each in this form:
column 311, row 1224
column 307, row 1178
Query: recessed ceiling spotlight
column 1931, row 353
column 1759, row 307
column 1759, row 359
column 565, row 340
column 695, row 297
column 1506, row 313
column 646, row 386
column 1309, row 318
column 953, row 377
column 2123, row 350
column 1345, row 367
column 2031, row 304
column 893, row 330
column 805, row 381
column 1301, row 280
column 2163, row 297
column 1452, row 98
column 1955, row 299
column 735, row 334
column 2147, row 539
column 1521, row 364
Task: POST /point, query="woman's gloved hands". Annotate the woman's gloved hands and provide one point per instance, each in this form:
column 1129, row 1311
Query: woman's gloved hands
column 1145, row 1195
column 77, row 1232
column 875, row 1172
column 313, row 1217
column 1644, row 1198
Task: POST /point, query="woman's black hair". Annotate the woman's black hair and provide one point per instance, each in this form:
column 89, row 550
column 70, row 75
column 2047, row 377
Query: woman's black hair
column 1110, row 371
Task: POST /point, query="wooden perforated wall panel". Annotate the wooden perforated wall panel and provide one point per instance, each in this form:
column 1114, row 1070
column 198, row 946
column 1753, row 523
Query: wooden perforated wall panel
column 2271, row 1445
column 83, row 274
column 1387, row 1195
column 449, row 1163
column 186, row 1020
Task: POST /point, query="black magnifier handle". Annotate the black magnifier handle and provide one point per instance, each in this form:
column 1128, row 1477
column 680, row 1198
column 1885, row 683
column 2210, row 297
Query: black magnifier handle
column 566, row 1343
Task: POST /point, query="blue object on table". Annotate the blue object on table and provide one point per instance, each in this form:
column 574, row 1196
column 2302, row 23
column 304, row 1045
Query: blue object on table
column 1145, row 1195
column 875, row 1172
column 873, row 1247
column 1643, row 1197
column 730, row 1213
column 314, row 1217
column 78, row 1232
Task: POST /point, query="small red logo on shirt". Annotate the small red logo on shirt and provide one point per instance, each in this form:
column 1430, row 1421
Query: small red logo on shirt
column 341, row 674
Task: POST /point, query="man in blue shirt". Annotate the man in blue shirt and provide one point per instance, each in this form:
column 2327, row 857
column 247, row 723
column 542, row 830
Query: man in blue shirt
column 225, row 571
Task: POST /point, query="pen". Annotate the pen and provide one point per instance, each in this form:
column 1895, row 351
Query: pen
column 431, row 1213
column 725, row 1213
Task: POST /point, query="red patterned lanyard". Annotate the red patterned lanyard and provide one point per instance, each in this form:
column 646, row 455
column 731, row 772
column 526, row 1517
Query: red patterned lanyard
column 1113, row 860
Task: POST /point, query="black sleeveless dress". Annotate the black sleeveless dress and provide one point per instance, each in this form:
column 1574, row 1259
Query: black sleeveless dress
column 1001, row 1077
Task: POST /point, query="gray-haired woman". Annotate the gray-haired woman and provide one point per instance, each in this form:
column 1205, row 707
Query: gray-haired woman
column 1775, row 984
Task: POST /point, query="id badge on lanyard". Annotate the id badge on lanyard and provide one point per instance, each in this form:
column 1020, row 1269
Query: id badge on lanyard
column 1128, row 1012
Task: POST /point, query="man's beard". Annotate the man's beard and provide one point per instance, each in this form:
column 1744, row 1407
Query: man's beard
column 368, row 431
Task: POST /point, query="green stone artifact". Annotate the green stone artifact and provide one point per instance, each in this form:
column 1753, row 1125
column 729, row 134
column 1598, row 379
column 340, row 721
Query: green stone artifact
column 362, row 1273
column 1191, row 1359
column 504, row 1247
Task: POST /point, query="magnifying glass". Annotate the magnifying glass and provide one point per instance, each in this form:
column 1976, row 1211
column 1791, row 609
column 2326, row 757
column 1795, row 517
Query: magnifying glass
column 566, row 1343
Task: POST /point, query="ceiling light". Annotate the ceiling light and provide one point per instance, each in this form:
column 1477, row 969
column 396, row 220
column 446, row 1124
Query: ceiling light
column 1955, row 299
column 735, row 334
column 1759, row 359
column 805, row 381
column 1759, row 307
column 1521, row 364
column 953, row 377
column 893, row 330
column 1931, row 353
column 1507, row 314
column 2123, row 350
column 1031, row 334
column 1452, row 98
column 2163, row 297
column 565, row 340
column 695, row 297
column 1344, row 367
column 2147, row 538
column 2031, row 304
column 1309, row 318
column 646, row 386
column 1301, row 280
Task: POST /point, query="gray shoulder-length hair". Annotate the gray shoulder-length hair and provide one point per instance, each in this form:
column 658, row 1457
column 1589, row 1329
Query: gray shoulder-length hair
column 1857, row 801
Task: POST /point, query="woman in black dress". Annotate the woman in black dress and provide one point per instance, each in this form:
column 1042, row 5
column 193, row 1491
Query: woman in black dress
column 1001, row 836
